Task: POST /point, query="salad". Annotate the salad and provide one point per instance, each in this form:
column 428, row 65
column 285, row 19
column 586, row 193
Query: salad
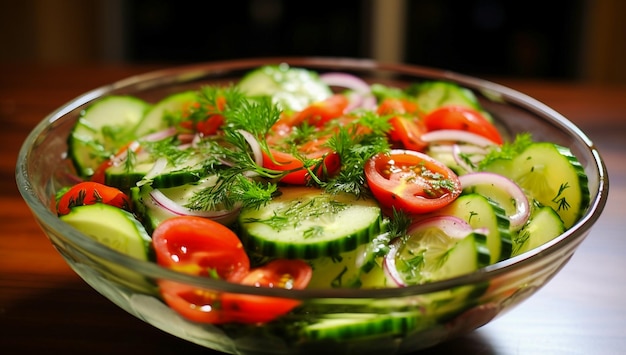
column 295, row 179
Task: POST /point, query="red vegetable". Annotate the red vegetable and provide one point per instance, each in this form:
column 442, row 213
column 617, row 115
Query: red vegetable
column 410, row 181
column 407, row 127
column 202, row 247
column 281, row 273
column 462, row 118
column 88, row 193
column 283, row 141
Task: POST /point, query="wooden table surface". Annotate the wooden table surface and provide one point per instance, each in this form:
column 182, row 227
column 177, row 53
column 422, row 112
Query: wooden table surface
column 46, row 307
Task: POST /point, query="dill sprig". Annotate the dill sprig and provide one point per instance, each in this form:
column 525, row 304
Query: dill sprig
column 355, row 146
column 508, row 150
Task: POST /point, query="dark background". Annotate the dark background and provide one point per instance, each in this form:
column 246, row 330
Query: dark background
column 557, row 39
column 488, row 37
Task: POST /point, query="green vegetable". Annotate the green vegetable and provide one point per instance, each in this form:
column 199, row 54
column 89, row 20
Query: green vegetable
column 308, row 223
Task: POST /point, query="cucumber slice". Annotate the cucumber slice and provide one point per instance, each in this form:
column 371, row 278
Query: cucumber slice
column 307, row 223
column 551, row 175
column 102, row 129
column 433, row 255
column 159, row 173
column 155, row 119
column 543, row 226
column 152, row 214
column 352, row 269
column 434, row 94
column 148, row 212
column 342, row 326
column 481, row 212
column 291, row 88
column 119, row 230
column 111, row 226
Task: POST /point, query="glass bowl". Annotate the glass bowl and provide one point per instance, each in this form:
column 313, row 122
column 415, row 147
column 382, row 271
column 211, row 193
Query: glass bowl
column 393, row 320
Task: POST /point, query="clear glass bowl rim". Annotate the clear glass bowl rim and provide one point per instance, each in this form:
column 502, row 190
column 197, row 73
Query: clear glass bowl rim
column 570, row 239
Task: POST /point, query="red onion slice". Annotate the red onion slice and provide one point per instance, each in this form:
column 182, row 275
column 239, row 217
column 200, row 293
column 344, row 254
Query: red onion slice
column 361, row 97
column 159, row 165
column 454, row 227
column 159, row 135
column 522, row 206
column 454, row 135
column 162, row 201
column 254, row 146
column 345, row 80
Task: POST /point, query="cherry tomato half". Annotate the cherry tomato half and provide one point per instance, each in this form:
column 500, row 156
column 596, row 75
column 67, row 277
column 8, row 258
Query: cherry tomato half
column 201, row 247
column 411, row 181
column 281, row 273
column 88, row 193
column 463, row 118
column 407, row 126
column 193, row 303
column 318, row 113
column 207, row 306
column 408, row 132
column 299, row 176
column 285, row 136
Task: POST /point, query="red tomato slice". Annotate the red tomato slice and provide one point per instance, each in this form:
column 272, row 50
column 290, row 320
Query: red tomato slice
column 408, row 131
column 281, row 273
column 390, row 106
column 411, row 181
column 318, row 113
column 88, row 193
column 200, row 246
column 193, row 303
column 462, row 118
column 299, row 176
column 211, row 125
column 407, row 127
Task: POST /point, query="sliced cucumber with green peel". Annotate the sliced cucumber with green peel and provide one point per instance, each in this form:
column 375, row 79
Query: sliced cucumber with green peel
column 155, row 119
column 159, row 173
column 434, row 94
column 291, row 88
column 102, row 129
column 481, row 212
column 356, row 268
column 111, row 226
column 342, row 326
column 551, row 175
column 432, row 255
column 308, row 223
column 543, row 226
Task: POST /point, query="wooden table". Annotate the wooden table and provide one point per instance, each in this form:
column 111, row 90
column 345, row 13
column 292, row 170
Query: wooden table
column 46, row 307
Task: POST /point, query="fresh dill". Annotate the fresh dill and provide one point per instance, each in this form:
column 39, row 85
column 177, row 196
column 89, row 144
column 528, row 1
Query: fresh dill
column 508, row 150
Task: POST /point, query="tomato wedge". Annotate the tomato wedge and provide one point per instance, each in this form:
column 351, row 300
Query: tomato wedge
column 207, row 306
column 286, row 135
column 407, row 127
column 282, row 161
column 408, row 132
column 462, row 118
column 319, row 113
column 411, row 181
column 89, row 192
column 201, row 247
column 193, row 303
column 281, row 273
